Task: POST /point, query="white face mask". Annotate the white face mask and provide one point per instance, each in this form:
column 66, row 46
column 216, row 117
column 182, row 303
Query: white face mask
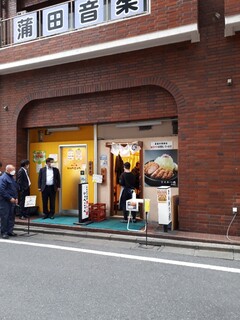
column 12, row 173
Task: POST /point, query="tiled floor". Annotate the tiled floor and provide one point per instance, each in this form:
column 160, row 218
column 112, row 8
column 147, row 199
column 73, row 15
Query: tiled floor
column 153, row 230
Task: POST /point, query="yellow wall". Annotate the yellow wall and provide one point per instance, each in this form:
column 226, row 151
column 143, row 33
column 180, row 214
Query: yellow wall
column 50, row 146
column 39, row 135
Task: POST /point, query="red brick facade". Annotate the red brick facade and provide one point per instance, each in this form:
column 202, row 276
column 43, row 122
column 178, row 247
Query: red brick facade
column 188, row 80
column 232, row 7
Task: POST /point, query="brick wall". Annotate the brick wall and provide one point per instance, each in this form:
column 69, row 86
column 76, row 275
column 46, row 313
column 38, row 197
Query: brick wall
column 188, row 79
column 232, row 7
column 101, row 107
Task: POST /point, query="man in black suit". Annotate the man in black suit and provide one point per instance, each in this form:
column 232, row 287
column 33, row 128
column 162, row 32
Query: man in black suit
column 24, row 187
column 49, row 183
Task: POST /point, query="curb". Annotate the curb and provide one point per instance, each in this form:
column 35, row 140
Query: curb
column 153, row 241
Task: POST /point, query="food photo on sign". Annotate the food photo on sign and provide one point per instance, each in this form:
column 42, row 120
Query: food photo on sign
column 161, row 168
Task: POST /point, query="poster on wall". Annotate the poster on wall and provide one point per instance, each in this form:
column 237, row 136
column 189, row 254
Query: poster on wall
column 39, row 157
column 161, row 168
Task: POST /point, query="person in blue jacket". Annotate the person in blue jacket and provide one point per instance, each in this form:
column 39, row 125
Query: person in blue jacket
column 8, row 201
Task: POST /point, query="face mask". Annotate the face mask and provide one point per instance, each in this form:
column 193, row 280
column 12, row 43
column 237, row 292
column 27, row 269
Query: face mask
column 12, row 173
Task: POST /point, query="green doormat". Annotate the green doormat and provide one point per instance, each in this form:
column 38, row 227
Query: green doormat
column 109, row 224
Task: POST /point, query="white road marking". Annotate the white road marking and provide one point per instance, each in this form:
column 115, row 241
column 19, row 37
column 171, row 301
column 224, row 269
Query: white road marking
column 125, row 256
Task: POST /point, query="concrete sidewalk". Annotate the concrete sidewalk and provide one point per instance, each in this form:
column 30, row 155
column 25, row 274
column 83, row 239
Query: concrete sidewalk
column 218, row 246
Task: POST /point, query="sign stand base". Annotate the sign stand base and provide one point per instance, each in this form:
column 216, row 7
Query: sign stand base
column 28, row 234
column 83, row 223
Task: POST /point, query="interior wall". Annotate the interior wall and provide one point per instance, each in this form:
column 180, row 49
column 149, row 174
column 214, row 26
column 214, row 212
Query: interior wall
column 50, row 145
column 159, row 133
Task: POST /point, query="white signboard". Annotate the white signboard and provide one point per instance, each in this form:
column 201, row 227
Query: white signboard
column 55, row 20
column 88, row 12
column 122, row 8
column 97, row 178
column 25, row 27
column 30, row 201
column 132, row 205
column 161, row 145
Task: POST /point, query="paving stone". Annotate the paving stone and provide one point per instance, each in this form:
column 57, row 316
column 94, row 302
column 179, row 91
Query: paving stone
column 215, row 254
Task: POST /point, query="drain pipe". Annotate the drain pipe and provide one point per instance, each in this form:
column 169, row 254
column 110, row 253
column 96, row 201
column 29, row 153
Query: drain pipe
column 95, row 163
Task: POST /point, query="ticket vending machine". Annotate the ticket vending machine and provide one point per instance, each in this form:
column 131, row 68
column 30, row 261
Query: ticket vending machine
column 164, row 205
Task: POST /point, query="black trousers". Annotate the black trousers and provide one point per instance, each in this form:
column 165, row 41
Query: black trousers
column 23, row 194
column 49, row 196
column 7, row 216
column 126, row 195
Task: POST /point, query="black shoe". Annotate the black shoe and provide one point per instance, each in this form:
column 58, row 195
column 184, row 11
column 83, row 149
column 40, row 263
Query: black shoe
column 23, row 218
column 12, row 234
column 45, row 217
column 124, row 221
column 5, row 236
column 134, row 220
column 52, row 217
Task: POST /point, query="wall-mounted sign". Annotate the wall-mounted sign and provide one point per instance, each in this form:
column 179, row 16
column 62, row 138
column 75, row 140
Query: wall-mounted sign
column 39, row 156
column 61, row 18
column 55, row 20
column 159, row 145
column 97, row 178
column 122, row 9
column 25, row 27
column 88, row 13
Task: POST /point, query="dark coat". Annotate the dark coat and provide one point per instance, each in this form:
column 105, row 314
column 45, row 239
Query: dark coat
column 128, row 182
column 43, row 177
column 22, row 179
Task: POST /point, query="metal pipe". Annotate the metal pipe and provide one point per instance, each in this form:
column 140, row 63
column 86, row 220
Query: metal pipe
column 95, row 163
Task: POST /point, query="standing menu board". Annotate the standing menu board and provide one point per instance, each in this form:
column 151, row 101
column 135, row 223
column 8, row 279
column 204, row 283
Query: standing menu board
column 83, row 207
column 164, row 205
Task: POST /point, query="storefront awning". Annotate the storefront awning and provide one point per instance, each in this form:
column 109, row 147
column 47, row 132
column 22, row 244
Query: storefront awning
column 232, row 24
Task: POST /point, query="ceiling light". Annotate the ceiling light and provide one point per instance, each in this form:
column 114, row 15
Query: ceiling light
column 50, row 130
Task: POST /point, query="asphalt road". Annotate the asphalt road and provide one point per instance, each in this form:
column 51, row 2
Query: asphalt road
column 58, row 277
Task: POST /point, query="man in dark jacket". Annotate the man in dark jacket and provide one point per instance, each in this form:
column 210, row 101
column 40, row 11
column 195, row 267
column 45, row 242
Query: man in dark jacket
column 128, row 183
column 24, row 186
column 8, row 201
column 49, row 183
